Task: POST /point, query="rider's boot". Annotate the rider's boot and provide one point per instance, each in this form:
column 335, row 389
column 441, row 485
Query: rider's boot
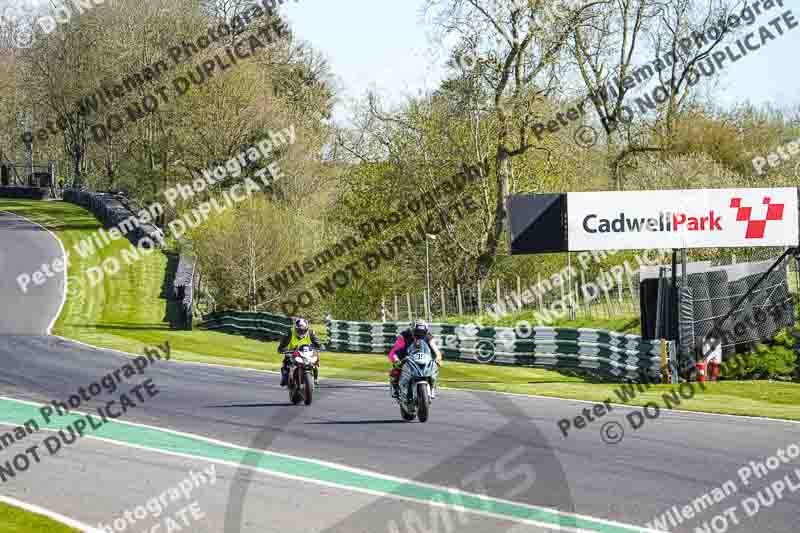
column 316, row 376
column 284, row 376
column 394, row 381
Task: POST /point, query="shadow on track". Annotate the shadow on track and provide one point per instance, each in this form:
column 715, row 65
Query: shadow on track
column 357, row 422
column 276, row 404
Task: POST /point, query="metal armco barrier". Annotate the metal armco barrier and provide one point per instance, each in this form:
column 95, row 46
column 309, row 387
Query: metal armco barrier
column 264, row 326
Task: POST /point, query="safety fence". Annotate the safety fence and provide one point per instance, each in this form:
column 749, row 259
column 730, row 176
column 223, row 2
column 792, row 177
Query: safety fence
column 264, row 326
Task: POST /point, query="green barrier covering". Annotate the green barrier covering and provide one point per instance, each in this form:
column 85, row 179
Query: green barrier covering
column 603, row 353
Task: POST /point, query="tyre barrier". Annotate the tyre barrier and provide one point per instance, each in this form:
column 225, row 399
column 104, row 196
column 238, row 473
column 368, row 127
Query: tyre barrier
column 605, row 354
column 263, row 326
column 183, row 288
column 27, row 193
column 116, row 211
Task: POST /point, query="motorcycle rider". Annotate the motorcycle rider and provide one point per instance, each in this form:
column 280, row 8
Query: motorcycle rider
column 298, row 336
column 418, row 330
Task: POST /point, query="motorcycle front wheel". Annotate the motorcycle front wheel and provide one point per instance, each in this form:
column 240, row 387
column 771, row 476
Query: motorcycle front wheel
column 295, row 395
column 308, row 387
column 423, row 401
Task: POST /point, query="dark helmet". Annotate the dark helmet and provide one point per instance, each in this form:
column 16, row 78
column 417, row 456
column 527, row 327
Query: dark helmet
column 301, row 327
column 420, row 329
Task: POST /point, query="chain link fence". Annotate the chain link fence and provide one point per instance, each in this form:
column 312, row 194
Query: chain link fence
column 725, row 279
column 716, row 280
column 611, row 293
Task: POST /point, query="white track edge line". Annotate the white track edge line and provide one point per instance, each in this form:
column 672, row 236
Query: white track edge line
column 339, row 466
column 49, row 514
column 419, row 501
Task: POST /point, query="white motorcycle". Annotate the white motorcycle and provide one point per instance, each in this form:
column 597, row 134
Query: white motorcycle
column 417, row 378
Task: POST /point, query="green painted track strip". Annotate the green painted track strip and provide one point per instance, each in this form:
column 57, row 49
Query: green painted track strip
column 17, row 413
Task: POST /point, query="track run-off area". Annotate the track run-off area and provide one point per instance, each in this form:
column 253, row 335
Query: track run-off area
column 221, row 449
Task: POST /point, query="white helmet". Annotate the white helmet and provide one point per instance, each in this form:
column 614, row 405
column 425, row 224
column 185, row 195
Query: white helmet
column 301, row 327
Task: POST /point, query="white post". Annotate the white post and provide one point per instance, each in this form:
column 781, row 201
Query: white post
column 408, row 302
column 460, row 301
column 444, row 307
column 480, row 304
column 539, row 290
column 569, row 284
column 588, row 306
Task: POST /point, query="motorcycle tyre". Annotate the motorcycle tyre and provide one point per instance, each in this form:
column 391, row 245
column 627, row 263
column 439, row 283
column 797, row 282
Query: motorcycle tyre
column 308, row 388
column 423, row 402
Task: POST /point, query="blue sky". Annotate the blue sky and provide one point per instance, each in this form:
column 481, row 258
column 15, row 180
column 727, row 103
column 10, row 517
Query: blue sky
column 383, row 45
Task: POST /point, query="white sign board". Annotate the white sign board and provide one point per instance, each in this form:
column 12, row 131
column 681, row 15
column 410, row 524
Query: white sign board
column 694, row 218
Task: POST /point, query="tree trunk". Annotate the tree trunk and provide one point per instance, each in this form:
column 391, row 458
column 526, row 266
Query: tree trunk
column 488, row 256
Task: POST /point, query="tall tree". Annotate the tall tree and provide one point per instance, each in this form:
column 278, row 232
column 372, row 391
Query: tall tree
column 516, row 48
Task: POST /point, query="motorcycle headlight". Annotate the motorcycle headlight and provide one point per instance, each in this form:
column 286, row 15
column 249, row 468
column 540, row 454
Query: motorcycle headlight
column 299, row 359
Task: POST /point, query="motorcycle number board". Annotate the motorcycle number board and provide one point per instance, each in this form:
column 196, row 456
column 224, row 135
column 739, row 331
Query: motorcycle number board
column 693, row 218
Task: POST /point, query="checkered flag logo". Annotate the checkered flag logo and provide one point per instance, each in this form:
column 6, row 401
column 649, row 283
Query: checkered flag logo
column 756, row 227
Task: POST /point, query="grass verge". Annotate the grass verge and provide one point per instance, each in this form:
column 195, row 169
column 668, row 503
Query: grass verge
column 622, row 324
column 128, row 311
column 15, row 520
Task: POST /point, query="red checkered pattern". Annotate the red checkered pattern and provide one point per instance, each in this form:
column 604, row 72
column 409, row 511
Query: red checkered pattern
column 755, row 228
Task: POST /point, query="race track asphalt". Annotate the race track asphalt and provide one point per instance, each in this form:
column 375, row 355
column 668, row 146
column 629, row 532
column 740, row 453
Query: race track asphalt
column 508, row 447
